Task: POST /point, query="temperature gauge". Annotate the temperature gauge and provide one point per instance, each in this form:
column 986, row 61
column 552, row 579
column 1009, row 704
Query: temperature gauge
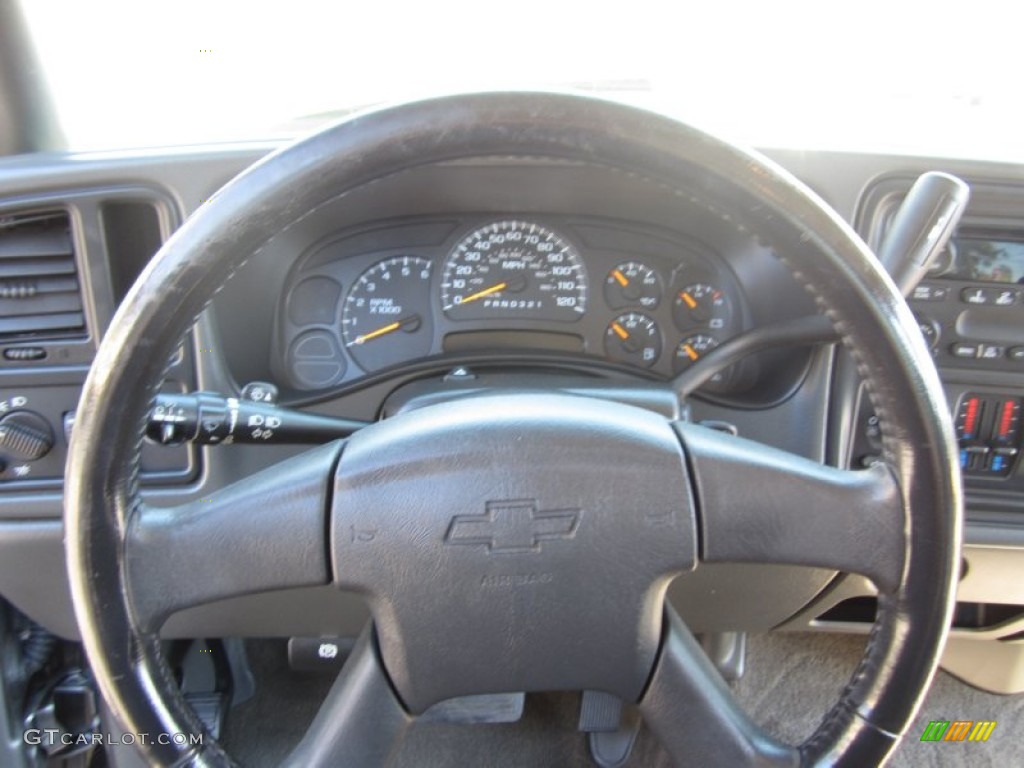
column 632, row 284
column 633, row 338
column 701, row 305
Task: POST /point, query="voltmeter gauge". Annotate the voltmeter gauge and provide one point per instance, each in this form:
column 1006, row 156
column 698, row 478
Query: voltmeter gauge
column 633, row 338
column 632, row 284
column 701, row 305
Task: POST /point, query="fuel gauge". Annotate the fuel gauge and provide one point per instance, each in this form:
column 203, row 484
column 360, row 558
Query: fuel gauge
column 633, row 338
column 701, row 305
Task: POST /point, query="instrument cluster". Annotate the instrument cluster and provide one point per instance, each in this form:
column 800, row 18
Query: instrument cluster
column 399, row 292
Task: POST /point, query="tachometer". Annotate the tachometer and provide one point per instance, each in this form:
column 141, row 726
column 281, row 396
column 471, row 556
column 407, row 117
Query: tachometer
column 514, row 269
column 386, row 317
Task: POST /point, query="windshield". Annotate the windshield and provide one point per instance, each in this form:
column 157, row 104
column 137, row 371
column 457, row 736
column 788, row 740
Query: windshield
column 913, row 78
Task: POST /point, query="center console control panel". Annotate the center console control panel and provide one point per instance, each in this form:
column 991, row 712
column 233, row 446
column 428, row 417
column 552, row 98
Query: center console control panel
column 36, row 424
column 970, row 310
column 989, row 430
column 972, row 325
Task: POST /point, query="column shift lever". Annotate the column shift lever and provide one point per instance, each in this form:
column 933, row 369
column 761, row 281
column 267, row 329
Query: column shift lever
column 921, row 227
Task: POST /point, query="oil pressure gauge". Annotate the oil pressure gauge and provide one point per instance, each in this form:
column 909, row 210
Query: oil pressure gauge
column 632, row 284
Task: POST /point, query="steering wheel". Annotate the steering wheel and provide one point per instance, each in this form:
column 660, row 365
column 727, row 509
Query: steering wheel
column 491, row 535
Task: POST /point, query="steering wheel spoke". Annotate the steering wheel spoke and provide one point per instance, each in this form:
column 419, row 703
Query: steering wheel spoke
column 262, row 533
column 361, row 722
column 759, row 504
column 695, row 717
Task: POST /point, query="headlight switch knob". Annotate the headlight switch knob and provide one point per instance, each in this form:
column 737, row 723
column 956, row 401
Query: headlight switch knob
column 25, row 436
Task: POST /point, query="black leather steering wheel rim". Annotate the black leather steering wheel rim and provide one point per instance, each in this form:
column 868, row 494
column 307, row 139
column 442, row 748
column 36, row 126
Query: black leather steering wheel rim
column 102, row 493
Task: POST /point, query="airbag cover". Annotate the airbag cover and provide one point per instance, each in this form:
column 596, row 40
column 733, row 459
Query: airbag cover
column 515, row 543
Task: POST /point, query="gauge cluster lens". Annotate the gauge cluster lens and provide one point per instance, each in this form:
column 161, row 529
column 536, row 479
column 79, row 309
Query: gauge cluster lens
column 386, row 318
column 476, row 290
column 514, row 270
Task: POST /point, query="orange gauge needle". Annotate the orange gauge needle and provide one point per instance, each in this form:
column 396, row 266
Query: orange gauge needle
column 410, row 323
column 365, row 337
column 690, row 351
column 690, row 302
column 620, row 331
column 484, row 292
column 621, row 278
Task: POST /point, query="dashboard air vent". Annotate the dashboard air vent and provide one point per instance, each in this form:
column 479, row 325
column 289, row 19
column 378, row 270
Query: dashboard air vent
column 39, row 291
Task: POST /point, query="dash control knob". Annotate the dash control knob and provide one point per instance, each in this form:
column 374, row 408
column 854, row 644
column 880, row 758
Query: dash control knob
column 931, row 331
column 25, row 436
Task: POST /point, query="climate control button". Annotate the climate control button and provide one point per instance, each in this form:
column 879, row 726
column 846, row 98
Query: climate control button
column 964, row 350
column 977, row 295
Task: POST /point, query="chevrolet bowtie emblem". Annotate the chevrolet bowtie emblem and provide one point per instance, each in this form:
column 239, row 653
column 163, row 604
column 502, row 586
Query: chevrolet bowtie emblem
column 513, row 526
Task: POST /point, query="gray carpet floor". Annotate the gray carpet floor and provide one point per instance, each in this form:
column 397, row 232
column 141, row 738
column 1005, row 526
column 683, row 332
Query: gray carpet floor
column 791, row 679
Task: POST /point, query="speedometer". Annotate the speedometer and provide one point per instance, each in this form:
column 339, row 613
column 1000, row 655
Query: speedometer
column 514, row 269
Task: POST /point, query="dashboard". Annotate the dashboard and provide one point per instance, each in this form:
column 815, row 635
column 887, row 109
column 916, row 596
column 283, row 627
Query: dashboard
column 394, row 292
column 508, row 273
